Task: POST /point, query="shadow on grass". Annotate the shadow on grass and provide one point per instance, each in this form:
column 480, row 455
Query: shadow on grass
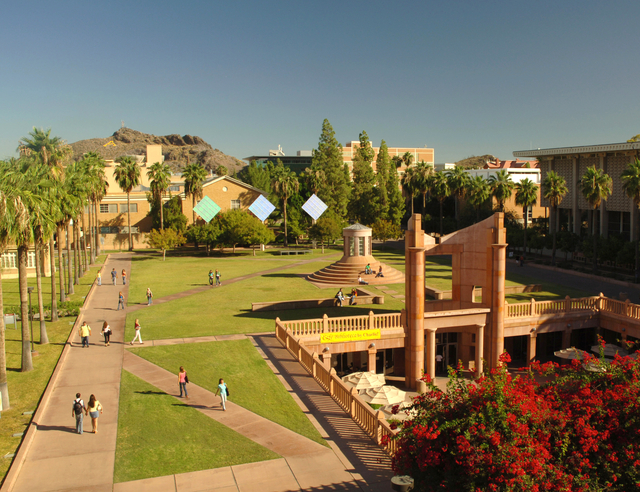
column 149, row 392
column 287, row 275
column 313, row 313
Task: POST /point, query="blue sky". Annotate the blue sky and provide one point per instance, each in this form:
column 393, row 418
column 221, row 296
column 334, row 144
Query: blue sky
column 464, row 77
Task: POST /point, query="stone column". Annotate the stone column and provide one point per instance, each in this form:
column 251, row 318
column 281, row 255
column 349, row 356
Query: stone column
column 531, row 347
column 566, row 337
column 372, row 358
column 430, row 362
column 414, row 286
column 497, row 308
column 574, row 201
column 326, row 359
column 479, row 349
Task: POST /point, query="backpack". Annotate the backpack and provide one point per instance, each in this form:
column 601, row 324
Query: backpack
column 77, row 407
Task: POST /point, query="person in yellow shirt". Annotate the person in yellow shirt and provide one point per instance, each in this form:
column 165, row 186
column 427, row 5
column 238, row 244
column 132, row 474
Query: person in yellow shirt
column 99, row 278
column 85, row 331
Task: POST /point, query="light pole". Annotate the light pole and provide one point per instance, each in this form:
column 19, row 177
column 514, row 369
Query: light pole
column 30, row 290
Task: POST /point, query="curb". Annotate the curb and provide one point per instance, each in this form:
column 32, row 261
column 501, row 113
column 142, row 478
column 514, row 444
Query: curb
column 16, row 466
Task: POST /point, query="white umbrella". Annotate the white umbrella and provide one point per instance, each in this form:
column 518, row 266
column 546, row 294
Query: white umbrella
column 384, row 395
column 572, row 353
column 610, row 350
column 364, row 380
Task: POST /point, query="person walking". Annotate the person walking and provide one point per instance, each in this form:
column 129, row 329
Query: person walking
column 218, row 278
column 149, row 296
column 124, row 277
column 114, row 275
column 84, row 332
column 106, row 332
column 138, row 336
column 94, row 410
column 211, row 278
column 120, row 301
column 76, row 411
column 224, row 393
column 183, row 379
column 99, row 278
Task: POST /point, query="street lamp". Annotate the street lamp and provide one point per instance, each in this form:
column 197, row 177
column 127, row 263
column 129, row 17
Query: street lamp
column 30, row 290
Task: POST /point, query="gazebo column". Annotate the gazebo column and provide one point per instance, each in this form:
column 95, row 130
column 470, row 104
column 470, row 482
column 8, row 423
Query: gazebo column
column 479, row 349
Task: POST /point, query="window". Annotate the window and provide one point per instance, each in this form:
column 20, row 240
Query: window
column 123, row 208
column 224, row 188
column 109, row 230
column 31, row 259
column 108, row 208
column 8, row 260
column 174, row 188
column 235, row 204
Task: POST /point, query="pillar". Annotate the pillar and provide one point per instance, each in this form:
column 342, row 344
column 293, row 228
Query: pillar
column 357, row 360
column 372, row 358
column 566, row 337
column 479, row 349
column 574, row 197
column 496, row 339
column 531, row 347
column 414, row 288
column 326, row 359
column 430, row 362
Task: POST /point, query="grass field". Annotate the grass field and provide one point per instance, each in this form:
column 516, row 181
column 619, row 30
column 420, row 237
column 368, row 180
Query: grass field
column 252, row 384
column 158, row 435
column 25, row 389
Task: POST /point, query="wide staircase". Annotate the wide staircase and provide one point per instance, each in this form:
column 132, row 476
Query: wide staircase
column 345, row 274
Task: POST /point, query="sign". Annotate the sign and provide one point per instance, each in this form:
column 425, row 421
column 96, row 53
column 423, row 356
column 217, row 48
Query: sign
column 350, row 336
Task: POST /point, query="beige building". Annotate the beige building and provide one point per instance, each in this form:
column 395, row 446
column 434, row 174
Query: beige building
column 419, row 154
column 227, row 192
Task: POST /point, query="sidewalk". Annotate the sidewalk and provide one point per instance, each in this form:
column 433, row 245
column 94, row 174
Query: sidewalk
column 59, row 458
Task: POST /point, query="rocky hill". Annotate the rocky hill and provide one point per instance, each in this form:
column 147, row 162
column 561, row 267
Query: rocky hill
column 476, row 161
column 177, row 150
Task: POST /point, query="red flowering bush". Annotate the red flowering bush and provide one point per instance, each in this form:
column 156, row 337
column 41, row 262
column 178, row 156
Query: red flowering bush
column 578, row 432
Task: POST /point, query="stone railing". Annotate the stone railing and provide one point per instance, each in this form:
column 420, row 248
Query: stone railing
column 567, row 305
column 371, row 422
column 310, row 327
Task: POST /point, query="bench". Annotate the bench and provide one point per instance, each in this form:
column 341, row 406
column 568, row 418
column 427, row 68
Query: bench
column 11, row 319
column 295, row 251
column 364, row 297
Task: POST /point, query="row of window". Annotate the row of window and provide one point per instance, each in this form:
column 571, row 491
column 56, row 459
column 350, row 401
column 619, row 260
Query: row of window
column 118, row 230
column 10, row 260
column 112, row 208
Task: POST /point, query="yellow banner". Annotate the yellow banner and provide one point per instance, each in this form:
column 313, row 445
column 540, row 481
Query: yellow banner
column 350, row 336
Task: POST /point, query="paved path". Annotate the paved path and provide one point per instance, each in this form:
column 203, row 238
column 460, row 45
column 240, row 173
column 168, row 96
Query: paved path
column 58, row 458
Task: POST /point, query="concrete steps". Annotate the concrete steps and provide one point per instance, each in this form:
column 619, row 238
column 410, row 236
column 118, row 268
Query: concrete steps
column 347, row 274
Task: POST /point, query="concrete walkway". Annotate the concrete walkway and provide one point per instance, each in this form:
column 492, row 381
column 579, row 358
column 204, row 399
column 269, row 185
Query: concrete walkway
column 58, row 458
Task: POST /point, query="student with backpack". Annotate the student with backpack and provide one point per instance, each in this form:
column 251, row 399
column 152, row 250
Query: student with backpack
column 77, row 412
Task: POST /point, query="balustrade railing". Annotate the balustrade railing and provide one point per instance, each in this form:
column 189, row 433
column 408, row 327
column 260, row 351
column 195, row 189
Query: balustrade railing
column 567, row 305
column 310, row 327
column 371, row 422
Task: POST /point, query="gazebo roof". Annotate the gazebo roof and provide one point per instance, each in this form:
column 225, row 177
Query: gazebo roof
column 357, row 227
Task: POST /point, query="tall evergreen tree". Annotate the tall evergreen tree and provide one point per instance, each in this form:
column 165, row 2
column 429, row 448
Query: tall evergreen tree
column 383, row 168
column 328, row 158
column 395, row 202
column 363, row 206
column 127, row 174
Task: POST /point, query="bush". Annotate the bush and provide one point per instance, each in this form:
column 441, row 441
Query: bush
column 578, row 432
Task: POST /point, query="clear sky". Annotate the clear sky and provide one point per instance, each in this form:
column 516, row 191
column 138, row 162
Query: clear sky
column 464, row 77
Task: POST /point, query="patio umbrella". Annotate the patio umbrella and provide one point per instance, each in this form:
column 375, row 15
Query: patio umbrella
column 572, row 353
column 383, row 395
column 387, row 411
column 610, row 350
column 364, row 380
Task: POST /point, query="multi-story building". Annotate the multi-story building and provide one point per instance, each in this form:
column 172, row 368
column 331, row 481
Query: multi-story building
column 616, row 214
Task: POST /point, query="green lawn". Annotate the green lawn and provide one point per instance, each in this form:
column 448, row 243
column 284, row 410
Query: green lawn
column 158, row 435
column 251, row 383
column 227, row 310
column 25, row 389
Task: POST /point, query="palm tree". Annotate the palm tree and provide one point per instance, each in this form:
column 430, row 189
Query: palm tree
column 478, row 192
column 285, row 183
column 555, row 188
column 423, row 173
column 631, row 185
column 97, row 185
column 596, row 186
column 458, row 182
column 410, row 183
column 127, row 174
column 501, row 187
column 160, row 176
column 440, row 191
column 526, row 196
column 194, row 175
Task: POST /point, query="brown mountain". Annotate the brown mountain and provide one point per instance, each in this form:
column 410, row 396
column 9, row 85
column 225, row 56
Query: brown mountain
column 476, row 161
column 177, row 150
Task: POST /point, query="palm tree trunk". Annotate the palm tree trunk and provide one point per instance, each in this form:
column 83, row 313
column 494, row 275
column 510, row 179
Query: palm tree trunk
column 637, row 275
column 37, row 246
column 23, row 253
column 440, row 218
column 52, row 266
column 76, row 254
column 526, row 217
column 595, row 241
column 4, row 387
column 85, row 262
column 92, row 251
column 161, row 214
column 97, row 224
column 555, row 228
column 285, row 221
column 60, row 265
column 70, row 289
column 129, row 222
